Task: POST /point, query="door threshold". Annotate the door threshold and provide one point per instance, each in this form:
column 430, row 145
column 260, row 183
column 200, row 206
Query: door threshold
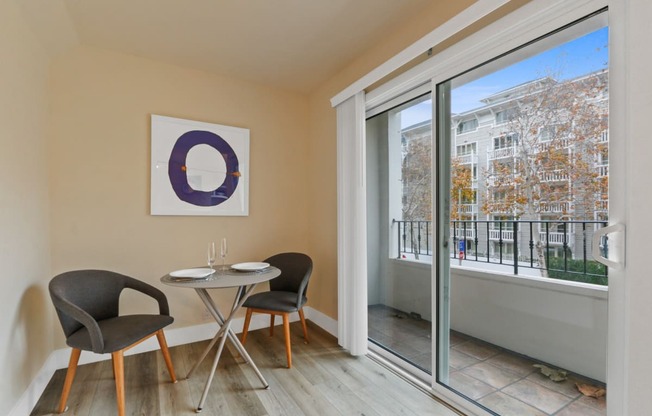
column 411, row 379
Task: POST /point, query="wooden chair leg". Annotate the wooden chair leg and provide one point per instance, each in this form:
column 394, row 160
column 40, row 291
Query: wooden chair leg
column 271, row 324
column 286, row 330
column 166, row 354
column 245, row 328
column 70, row 376
column 119, row 371
column 303, row 324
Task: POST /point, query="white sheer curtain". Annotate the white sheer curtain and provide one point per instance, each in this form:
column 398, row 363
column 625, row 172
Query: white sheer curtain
column 352, row 225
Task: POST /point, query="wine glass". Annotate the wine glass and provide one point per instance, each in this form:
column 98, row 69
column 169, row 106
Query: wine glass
column 223, row 252
column 211, row 255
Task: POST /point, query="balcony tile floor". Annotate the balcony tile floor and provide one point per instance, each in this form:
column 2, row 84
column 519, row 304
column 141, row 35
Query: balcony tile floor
column 501, row 380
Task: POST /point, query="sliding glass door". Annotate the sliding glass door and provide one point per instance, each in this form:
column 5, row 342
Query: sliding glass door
column 487, row 180
column 399, row 230
column 522, row 189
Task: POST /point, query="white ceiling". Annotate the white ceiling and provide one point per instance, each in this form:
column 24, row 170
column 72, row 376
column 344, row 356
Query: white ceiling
column 291, row 44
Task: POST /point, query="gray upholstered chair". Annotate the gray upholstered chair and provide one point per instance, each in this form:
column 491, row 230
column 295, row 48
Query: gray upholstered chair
column 87, row 303
column 287, row 294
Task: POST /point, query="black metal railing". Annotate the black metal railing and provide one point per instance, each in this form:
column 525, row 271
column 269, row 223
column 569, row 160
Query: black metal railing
column 560, row 248
column 414, row 238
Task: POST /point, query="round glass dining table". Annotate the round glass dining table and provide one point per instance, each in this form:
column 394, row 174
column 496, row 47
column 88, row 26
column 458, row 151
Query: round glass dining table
column 245, row 282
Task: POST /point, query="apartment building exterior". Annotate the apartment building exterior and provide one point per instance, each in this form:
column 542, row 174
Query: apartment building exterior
column 490, row 141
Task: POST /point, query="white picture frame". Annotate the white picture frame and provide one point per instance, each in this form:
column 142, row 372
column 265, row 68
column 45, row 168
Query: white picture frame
column 198, row 168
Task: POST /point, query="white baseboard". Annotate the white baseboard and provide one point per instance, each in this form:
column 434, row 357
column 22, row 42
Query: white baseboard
column 58, row 359
column 323, row 321
column 30, row 397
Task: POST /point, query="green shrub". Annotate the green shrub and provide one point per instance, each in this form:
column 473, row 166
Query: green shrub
column 596, row 273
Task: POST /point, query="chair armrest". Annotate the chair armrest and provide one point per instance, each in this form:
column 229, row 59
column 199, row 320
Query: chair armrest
column 81, row 316
column 142, row 287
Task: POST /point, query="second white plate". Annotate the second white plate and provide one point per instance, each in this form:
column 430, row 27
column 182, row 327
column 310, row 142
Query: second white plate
column 250, row 266
column 192, row 273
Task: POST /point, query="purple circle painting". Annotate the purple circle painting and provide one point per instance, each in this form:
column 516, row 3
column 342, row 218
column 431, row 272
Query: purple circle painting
column 177, row 169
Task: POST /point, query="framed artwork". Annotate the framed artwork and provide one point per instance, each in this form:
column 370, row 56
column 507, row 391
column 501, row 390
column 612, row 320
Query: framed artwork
column 199, row 168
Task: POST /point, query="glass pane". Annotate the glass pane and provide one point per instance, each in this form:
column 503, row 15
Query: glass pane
column 525, row 190
column 399, row 235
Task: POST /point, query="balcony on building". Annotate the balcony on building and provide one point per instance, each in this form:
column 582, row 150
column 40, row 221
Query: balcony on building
column 503, row 153
column 468, row 159
column 557, row 175
column 555, row 207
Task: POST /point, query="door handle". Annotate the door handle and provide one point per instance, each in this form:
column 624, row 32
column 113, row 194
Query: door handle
column 595, row 247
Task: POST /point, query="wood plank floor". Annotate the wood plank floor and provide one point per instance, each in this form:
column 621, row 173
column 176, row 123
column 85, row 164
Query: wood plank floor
column 324, row 380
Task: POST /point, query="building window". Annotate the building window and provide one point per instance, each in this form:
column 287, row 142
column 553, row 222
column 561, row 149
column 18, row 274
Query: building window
column 547, row 133
column 505, row 141
column 500, row 196
column 603, row 155
column 466, row 149
column 504, row 116
column 467, row 126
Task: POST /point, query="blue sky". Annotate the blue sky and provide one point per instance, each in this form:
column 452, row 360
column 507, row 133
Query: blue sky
column 580, row 56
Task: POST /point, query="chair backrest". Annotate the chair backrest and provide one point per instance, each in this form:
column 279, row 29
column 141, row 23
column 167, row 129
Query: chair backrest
column 296, row 269
column 96, row 292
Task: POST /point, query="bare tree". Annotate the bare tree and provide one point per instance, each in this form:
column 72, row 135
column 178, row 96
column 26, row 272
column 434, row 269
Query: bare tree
column 417, row 188
column 417, row 180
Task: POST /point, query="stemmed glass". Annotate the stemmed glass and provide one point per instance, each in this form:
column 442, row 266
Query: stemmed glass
column 211, row 255
column 223, row 252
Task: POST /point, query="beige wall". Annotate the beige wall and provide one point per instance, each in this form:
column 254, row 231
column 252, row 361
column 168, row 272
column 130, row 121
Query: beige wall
column 323, row 144
column 100, row 170
column 25, row 323
column 101, row 103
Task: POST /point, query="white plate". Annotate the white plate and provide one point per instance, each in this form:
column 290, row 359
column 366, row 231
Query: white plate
column 192, row 273
column 250, row 267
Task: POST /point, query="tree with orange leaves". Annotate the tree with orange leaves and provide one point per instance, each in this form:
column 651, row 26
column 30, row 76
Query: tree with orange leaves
column 549, row 147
